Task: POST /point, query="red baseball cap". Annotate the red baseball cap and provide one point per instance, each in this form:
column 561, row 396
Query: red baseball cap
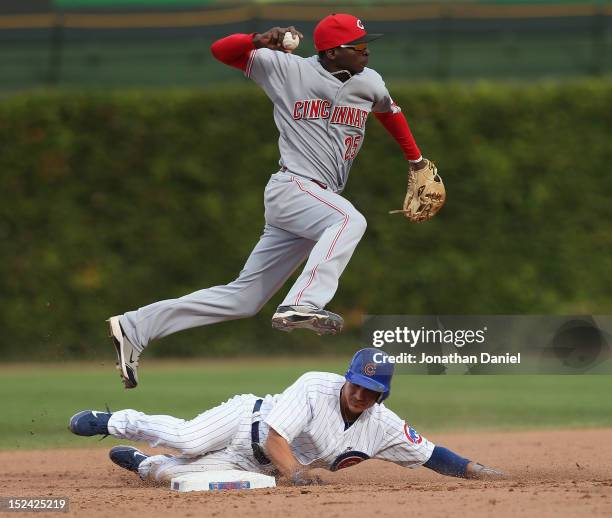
column 340, row 29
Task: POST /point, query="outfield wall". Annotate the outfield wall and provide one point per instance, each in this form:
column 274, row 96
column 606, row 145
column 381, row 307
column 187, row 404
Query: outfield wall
column 93, row 44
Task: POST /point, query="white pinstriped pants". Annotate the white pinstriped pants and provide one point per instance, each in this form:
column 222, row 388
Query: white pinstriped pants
column 301, row 218
column 218, row 439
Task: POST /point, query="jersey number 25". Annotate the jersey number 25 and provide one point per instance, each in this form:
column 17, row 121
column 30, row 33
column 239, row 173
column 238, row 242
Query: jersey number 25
column 351, row 145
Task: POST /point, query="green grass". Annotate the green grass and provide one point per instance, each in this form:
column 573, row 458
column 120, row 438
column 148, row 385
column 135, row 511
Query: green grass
column 38, row 400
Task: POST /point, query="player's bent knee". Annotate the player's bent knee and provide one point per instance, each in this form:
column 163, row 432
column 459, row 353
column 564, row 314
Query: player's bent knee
column 187, row 439
column 248, row 308
column 358, row 223
column 247, row 312
column 193, row 447
column 246, row 301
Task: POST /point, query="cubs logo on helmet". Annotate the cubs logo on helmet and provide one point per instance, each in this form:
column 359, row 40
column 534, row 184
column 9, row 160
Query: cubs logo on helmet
column 369, row 369
column 411, row 434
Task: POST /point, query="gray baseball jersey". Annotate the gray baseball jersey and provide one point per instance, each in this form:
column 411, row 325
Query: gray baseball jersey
column 321, row 119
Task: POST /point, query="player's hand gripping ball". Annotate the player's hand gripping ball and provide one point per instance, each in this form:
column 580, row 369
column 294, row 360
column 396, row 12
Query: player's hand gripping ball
column 290, row 41
column 425, row 195
column 283, row 39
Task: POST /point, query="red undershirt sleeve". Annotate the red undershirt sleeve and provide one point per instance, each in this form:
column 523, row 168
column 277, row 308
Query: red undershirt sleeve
column 233, row 50
column 397, row 125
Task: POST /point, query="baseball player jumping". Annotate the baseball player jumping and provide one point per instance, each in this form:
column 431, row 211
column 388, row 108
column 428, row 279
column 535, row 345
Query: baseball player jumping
column 323, row 420
column 321, row 104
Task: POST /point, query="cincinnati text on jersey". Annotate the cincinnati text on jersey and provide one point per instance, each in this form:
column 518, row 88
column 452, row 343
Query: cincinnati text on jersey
column 320, row 109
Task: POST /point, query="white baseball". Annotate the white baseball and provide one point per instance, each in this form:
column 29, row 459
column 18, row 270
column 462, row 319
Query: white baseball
column 290, row 42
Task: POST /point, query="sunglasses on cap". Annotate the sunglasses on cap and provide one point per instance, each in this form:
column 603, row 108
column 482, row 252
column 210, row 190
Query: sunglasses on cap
column 359, row 47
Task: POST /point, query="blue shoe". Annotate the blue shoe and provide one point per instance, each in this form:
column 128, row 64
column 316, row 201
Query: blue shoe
column 90, row 422
column 127, row 457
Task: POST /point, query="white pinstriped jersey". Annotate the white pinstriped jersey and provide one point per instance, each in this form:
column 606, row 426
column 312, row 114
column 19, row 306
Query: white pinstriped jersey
column 321, row 120
column 307, row 415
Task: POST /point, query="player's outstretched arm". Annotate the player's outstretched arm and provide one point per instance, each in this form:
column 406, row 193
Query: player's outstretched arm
column 396, row 124
column 481, row 472
column 447, row 462
column 425, row 195
column 234, row 50
column 279, row 452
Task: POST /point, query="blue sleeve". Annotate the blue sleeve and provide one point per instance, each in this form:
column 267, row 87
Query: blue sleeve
column 446, row 462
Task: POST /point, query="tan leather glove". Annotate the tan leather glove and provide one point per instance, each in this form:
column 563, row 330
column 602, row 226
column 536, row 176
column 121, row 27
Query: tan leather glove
column 425, row 195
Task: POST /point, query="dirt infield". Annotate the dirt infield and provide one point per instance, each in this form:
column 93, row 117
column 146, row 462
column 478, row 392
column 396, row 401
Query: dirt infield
column 552, row 473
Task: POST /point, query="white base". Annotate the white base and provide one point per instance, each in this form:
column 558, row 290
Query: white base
column 221, row 480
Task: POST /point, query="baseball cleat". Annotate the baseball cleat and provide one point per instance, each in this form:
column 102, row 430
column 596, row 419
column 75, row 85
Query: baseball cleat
column 127, row 457
column 127, row 354
column 90, row 422
column 322, row 322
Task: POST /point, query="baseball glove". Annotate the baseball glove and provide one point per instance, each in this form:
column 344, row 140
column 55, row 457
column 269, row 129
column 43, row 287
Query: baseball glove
column 426, row 194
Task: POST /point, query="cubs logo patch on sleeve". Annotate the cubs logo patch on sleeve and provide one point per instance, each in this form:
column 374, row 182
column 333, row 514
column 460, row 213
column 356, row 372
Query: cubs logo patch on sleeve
column 411, row 434
column 348, row 459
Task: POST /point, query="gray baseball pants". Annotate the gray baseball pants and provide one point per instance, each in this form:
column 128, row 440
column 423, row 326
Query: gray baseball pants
column 302, row 220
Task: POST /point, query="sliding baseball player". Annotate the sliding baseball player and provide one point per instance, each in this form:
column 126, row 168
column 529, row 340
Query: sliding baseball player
column 323, row 420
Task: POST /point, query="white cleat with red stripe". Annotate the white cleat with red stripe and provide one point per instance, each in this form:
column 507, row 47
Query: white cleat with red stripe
column 322, row 322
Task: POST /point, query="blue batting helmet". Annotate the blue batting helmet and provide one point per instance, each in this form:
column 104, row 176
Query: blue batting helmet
column 369, row 369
